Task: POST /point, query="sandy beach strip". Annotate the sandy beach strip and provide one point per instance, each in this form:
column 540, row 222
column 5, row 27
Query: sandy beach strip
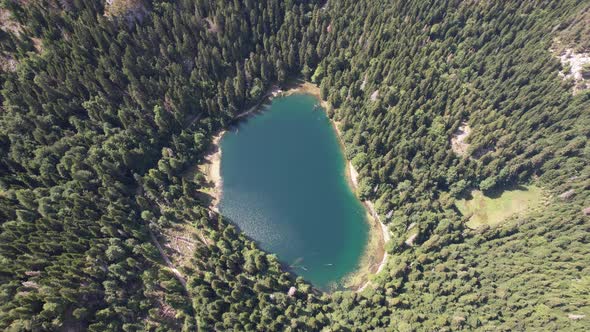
column 212, row 170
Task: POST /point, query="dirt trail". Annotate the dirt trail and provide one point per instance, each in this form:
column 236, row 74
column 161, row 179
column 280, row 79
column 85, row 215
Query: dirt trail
column 384, row 230
column 352, row 176
column 167, row 261
column 370, row 206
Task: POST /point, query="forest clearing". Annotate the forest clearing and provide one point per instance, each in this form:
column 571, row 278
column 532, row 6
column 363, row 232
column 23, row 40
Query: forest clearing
column 494, row 209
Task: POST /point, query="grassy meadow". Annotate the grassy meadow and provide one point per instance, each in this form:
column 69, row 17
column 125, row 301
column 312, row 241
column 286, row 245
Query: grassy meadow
column 495, row 208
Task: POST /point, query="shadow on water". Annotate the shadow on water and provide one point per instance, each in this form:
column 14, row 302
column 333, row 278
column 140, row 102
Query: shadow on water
column 284, row 265
column 244, row 117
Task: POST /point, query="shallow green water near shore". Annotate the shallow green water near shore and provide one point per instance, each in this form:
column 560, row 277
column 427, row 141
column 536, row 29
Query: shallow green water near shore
column 284, row 185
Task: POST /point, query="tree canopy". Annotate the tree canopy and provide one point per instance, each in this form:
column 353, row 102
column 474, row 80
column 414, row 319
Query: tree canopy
column 108, row 105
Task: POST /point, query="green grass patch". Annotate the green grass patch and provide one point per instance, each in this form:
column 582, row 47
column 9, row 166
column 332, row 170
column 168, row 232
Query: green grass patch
column 496, row 207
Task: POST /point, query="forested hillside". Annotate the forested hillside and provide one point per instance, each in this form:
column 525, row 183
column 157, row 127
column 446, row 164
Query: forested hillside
column 106, row 107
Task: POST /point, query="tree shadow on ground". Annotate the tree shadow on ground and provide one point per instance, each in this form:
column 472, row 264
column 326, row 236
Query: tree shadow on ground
column 497, row 192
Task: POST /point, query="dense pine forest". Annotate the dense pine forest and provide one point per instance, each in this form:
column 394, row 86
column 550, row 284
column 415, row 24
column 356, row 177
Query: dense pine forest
column 107, row 106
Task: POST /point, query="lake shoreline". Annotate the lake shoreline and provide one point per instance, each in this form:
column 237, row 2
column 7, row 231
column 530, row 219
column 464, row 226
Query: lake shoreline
column 375, row 257
column 378, row 232
column 212, row 166
column 212, row 170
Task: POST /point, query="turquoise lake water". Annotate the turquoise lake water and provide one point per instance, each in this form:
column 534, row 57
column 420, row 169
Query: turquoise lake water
column 284, row 185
